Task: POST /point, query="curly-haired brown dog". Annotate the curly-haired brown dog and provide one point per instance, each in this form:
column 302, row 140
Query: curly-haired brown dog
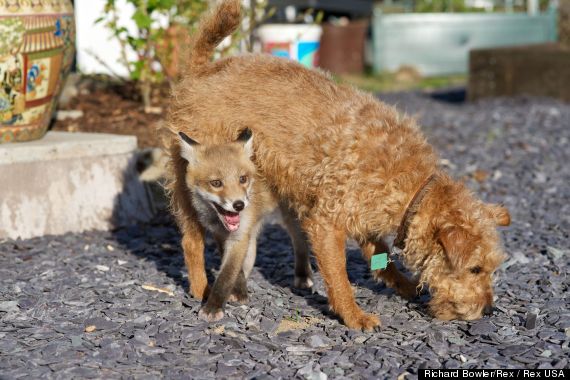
column 350, row 166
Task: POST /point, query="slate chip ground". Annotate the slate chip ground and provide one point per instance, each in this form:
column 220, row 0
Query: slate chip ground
column 512, row 151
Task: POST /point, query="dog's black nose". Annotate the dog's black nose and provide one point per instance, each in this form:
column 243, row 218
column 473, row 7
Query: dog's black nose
column 238, row 205
column 488, row 310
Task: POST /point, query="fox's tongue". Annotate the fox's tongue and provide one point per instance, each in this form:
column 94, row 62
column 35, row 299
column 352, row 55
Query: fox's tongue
column 232, row 221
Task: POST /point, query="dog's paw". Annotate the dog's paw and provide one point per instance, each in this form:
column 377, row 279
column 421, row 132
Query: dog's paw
column 303, row 282
column 407, row 291
column 405, row 287
column 363, row 321
column 210, row 315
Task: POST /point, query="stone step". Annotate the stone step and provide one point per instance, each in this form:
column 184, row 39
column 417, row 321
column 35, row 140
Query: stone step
column 71, row 182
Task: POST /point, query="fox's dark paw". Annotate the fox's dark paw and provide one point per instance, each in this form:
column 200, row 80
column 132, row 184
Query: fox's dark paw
column 303, row 282
column 239, row 294
column 210, row 314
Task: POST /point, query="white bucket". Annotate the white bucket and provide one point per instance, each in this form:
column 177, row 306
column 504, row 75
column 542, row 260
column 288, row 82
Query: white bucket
column 298, row 42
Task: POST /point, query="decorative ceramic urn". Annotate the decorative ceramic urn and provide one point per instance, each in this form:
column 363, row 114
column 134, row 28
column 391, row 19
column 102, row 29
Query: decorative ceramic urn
column 37, row 46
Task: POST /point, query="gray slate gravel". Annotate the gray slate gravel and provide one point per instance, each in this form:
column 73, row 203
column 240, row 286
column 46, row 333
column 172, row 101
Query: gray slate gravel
column 53, row 288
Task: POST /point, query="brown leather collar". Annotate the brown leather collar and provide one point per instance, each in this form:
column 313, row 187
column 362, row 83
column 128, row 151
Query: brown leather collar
column 413, row 206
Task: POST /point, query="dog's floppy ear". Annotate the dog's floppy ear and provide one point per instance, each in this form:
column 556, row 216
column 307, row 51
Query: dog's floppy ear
column 188, row 148
column 499, row 214
column 246, row 137
column 457, row 245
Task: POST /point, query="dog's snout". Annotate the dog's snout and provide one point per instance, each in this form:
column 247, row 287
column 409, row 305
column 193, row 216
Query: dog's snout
column 239, row 205
column 488, row 309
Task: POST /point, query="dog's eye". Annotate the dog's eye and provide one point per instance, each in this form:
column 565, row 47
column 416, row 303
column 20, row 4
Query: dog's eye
column 216, row 183
column 243, row 179
column 475, row 270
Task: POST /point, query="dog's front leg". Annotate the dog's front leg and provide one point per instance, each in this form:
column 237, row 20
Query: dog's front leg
column 391, row 276
column 193, row 247
column 235, row 251
column 191, row 228
column 328, row 245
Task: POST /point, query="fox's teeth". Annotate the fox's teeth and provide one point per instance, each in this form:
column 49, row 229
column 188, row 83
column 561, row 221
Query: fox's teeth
column 230, row 219
column 223, row 210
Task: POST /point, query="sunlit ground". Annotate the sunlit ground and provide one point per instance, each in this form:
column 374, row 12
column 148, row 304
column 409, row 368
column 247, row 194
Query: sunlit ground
column 401, row 81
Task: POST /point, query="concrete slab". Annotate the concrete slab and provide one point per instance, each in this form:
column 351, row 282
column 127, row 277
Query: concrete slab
column 65, row 145
column 70, row 182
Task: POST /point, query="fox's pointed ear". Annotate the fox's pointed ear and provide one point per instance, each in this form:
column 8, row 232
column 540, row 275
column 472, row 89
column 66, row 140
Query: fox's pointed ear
column 187, row 148
column 499, row 214
column 246, row 137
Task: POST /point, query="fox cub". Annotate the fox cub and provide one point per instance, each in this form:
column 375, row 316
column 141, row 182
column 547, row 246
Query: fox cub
column 230, row 203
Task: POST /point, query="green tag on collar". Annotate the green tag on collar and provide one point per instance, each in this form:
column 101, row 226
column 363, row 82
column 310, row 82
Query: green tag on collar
column 379, row 261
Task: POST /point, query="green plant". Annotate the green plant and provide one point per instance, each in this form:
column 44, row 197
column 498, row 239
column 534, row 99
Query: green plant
column 143, row 41
column 295, row 317
column 430, row 6
column 162, row 29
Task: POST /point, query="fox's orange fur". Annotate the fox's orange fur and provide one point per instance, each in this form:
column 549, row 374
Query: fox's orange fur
column 227, row 200
column 348, row 165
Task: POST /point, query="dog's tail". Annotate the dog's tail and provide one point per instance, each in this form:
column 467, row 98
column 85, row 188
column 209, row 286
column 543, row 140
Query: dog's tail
column 216, row 25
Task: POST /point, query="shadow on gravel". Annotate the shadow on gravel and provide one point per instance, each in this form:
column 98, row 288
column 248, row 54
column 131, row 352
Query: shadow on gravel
column 455, row 95
column 158, row 241
column 276, row 266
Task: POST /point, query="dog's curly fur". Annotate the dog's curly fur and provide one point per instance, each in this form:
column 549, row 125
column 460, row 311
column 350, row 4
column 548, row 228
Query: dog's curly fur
column 349, row 166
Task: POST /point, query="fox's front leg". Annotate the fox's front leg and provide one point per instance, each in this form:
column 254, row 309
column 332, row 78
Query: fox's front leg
column 239, row 293
column 232, row 263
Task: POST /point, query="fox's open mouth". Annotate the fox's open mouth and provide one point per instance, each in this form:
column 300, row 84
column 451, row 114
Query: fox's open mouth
column 229, row 219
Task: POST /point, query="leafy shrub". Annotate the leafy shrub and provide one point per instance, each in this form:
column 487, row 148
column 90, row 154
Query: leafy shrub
column 162, row 30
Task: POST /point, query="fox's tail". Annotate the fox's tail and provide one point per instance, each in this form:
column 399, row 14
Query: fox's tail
column 216, row 25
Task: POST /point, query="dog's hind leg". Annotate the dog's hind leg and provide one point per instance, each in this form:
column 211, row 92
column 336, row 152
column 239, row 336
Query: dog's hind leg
column 328, row 245
column 303, row 271
column 391, row 276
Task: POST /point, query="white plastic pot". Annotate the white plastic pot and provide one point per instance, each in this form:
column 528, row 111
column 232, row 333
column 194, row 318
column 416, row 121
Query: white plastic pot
column 297, row 42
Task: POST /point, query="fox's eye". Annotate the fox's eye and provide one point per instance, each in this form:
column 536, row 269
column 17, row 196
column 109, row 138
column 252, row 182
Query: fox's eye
column 475, row 270
column 243, row 179
column 216, row 183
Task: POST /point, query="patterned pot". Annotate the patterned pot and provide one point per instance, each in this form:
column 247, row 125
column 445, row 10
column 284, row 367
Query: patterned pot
column 37, row 46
